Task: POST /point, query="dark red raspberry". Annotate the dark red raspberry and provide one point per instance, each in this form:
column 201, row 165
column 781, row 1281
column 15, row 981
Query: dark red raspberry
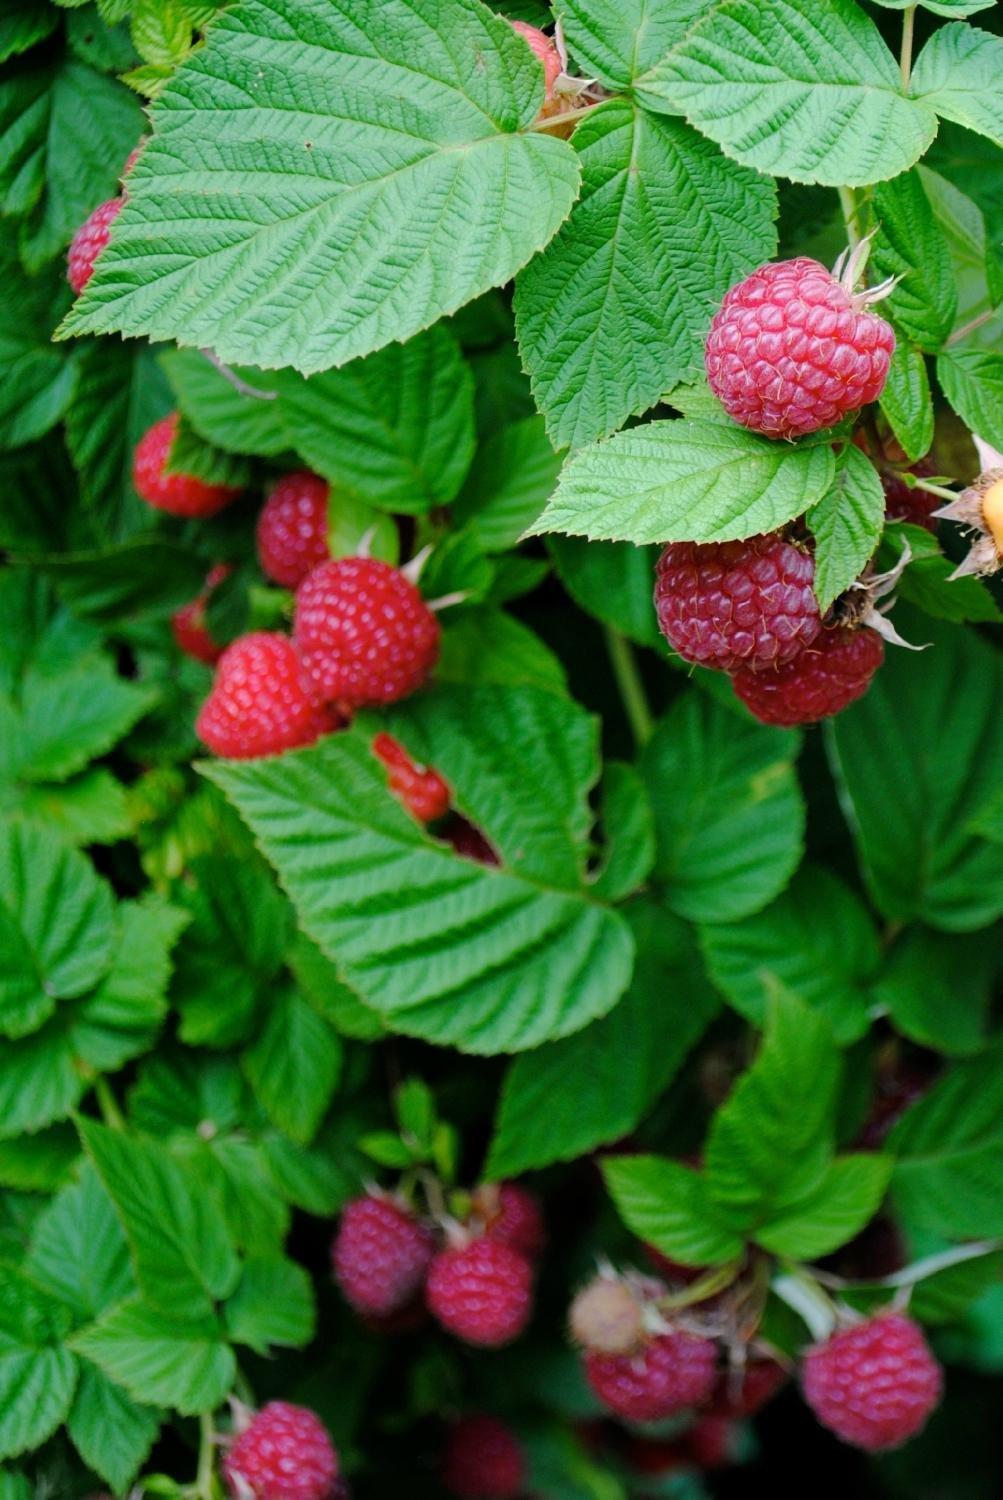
column 792, row 350
column 364, row 632
column 482, row 1292
column 469, row 842
column 88, row 242
column 874, row 1384
column 380, row 1255
column 292, row 528
column 189, row 626
column 671, row 1371
column 285, row 1454
column 179, row 494
column 260, row 702
column 483, row 1460
column 741, row 1393
column 733, row 604
column 827, row 677
column 422, row 791
column 511, row 1213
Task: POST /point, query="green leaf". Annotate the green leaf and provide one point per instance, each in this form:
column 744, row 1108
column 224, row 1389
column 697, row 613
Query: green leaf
column 89, row 809
column 161, row 32
column 616, row 309
column 978, row 269
column 22, row 24
column 771, row 1142
column 39, row 1163
column 64, row 721
column 57, row 921
column 907, row 403
column 39, row 1078
column 487, row 645
column 937, row 987
column 189, row 454
column 183, row 1259
column 616, row 40
column 273, row 1304
column 621, row 1063
column 686, row 481
column 125, row 581
column 847, row 1198
column 629, row 831
column 37, row 1375
column 972, row 381
column 386, row 203
column 112, row 1433
column 36, row 382
column 959, row 74
column 910, row 243
column 160, row 1358
column 666, row 1204
column 846, row 524
column 806, row 92
column 915, row 759
column 947, row 1148
column 78, row 1251
column 513, row 476
column 327, row 992
column 121, row 1017
column 945, row 1295
column 293, row 1065
column 513, row 956
column 828, row 964
column 948, row 8
column 614, row 581
column 928, row 583
column 729, row 819
column 414, row 1107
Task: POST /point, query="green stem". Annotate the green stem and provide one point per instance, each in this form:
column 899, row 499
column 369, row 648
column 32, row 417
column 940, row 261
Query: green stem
column 905, row 57
column 933, row 489
column 108, row 1104
column 562, row 119
column 628, row 680
column 207, row 1457
column 851, row 221
column 970, row 326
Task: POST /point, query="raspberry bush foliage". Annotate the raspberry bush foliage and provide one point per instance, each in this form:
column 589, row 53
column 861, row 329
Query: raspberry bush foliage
column 501, row 832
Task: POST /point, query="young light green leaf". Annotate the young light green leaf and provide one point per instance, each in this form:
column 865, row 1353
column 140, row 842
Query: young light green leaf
column 38, row 1375
column 911, row 244
column 972, row 380
column 293, row 1064
column 616, row 309
column 846, row 524
column 686, row 481
column 960, row 74
column 847, row 1197
column 906, row 401
column 806, row 92
column 112, row 1433
column 160, row 1358
column 273, row 1304
column 387, row 203
column 667, row 1205
column 729, row 819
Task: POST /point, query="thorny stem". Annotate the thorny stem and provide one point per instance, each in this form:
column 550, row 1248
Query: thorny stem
column 562, row 119
column 108, row 1105
column 905, row 58
column 628, row 680
column 848, row 203
column 970, row 326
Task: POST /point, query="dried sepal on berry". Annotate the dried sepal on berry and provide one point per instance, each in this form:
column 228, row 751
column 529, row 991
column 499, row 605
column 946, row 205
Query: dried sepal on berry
column 979, row 508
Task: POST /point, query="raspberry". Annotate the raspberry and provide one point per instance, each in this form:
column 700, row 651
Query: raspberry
column 607, row 1317
column 88, row 242
column 733, row 604
column 469, row 842
column 422, row 791
column 829, row 675
column 179, row 494
column 512, row 1214
column 482, row 1292
column 292, row 528
column 792, row 349
column 874, row 1384
column 671, row 1371
column 380, row 1255
column 543, row 47
column 189, row 626
column 743, row 1393
column 285, row 1454
column 713, row 1442
column 260, row 703
column 364, row 632
column 483, row 1460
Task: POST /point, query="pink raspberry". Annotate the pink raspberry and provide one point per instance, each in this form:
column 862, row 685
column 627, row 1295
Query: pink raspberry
column 88, row 242
column 189, row 625
column 482, row 1292
column 285, row 1454
column 132, row 159
column 260, row 702
column 743, row 1393
column 671, row 1371
column 292, row 528
column 483, row 1460
column 827, row 677
column 792, row 350
column 873, row 1384
column 364, row 632
column 733, row 604
column 511, row 1213
column 178, row 494
column 422, row 791
column 380, row 1255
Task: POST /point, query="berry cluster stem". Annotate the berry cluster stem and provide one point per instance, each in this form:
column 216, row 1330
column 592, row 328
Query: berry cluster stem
column 905, row 57
column 628, row 680
column 851, row 220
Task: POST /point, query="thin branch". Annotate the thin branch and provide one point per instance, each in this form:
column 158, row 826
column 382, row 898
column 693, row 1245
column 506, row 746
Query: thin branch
column 240, row 386
column 970, row 326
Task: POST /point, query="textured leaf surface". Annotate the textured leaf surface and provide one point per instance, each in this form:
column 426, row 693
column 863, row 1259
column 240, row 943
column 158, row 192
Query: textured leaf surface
column 960, row 73
column 906, row 401
column 846, row 524
column 910, row 243
column 159, row 1358
column 972, row 380
column 846, row 1198
column 112, row 1433
column 377, row 179
column 273, row 1304
column 937, row 987
column 37, row 1375
column 619, row 39
column 78, row 1250
column 513, row 476
column 927, row 581
column 666, row 1205
column 293, row 1065
column 614, row 581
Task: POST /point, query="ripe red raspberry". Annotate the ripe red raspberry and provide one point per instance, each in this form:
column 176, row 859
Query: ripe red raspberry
column 88, row 242
column 422, row 791
column 189, row 626
column 671, row 1371
column 874, row 1384
column 380, row 1255
column 792, row 349
column 482, row 1292
column 364, row 632
column 285, row 1454
column 179, row 494
column 511, row 1213
column 544, row 48
column 713, row 1442
column 743, row 1393
column 292, row 528
column 733, row 604
column 260, row 702
column 827, row 677
column 483, row 1460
